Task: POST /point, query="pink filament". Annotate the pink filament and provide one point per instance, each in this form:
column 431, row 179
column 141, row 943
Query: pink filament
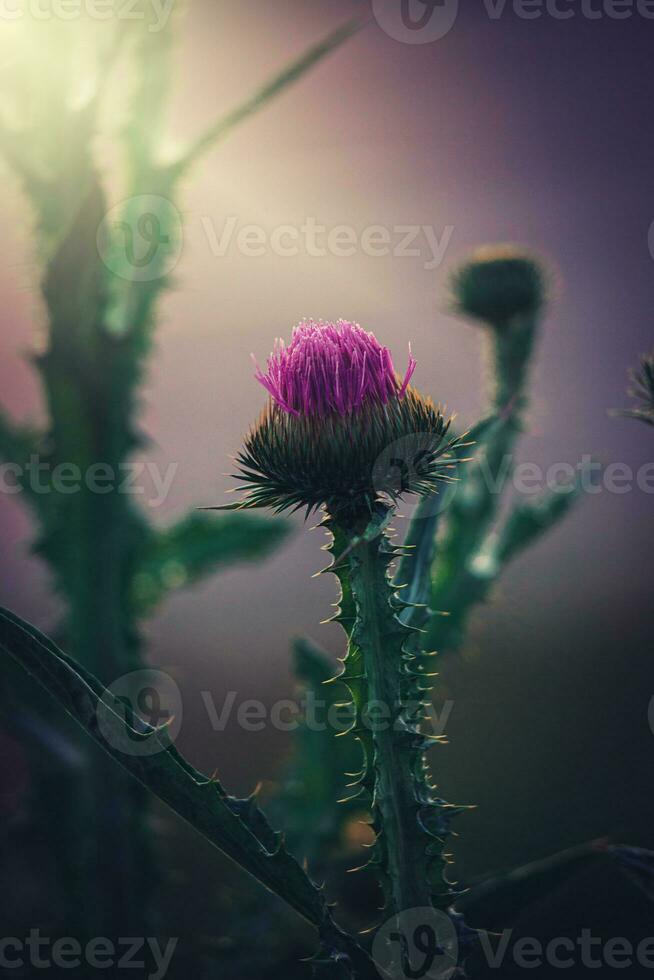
column 331, row 367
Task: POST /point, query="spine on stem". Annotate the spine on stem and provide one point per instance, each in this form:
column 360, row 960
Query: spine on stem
column 389, row 679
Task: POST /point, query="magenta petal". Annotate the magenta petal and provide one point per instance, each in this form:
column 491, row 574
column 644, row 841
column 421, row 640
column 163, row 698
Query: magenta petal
column 331, row 367
column 409, row 374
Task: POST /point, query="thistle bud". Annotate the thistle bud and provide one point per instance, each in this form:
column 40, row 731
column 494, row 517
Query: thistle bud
column 498, row 283
column 336, row 406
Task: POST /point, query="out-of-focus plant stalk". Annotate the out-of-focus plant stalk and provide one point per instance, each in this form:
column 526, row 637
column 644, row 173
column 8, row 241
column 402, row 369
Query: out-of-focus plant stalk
column 460, row 546
column 464, row 571
column 110, row 565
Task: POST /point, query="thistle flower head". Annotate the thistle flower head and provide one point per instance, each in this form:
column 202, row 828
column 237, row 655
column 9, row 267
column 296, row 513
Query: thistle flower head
column 341, row 428
column 331, row 367
column 498, row 283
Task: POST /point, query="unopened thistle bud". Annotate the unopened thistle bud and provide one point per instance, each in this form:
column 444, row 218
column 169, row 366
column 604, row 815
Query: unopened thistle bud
column 497, row 284
column 336, row 410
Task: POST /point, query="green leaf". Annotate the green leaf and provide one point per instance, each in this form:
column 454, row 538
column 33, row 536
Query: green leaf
column 476, row 577
column 236, row 827
column 197, row 546
column 528, row 522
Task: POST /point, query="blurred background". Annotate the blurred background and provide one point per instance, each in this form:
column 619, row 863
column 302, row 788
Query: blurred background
column 508, row 129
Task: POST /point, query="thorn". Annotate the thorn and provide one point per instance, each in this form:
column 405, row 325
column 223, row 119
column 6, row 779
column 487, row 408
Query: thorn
column 352, row 871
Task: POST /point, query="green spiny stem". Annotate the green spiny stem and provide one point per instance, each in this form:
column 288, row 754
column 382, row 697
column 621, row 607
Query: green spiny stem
column 388, row 683
column 476, row 501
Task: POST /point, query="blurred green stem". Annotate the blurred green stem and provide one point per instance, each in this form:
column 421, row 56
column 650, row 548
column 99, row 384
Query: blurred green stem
column 460, row 579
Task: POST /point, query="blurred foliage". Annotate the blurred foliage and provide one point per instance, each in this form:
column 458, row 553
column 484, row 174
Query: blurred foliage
column 196, row 546
column 311, row 806
column 468, row 534
column 58, row 80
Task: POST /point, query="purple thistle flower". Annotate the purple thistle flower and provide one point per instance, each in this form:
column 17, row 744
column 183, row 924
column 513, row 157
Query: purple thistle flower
column 331, row 367
column 341, row 430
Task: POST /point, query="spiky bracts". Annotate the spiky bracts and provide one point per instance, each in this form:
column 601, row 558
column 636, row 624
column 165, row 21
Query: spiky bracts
column 389, row 682
column 345, row 462
column 341, row 429
column 642, row 388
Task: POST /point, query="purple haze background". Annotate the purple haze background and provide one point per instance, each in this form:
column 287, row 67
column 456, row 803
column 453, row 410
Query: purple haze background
column 537, row 132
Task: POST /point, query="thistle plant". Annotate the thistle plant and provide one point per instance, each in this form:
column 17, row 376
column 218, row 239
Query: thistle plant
column 336, row 406
column 460, row 542
column 335, row 386
column 342, row 434
column 461, row 539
